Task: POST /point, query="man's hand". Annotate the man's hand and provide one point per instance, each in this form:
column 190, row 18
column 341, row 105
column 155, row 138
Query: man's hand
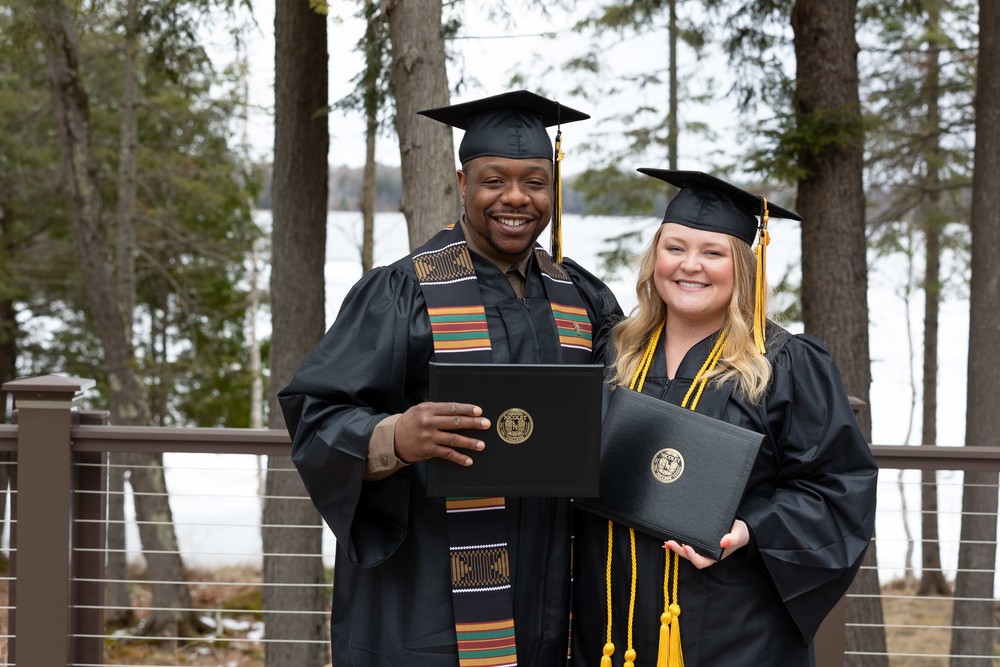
column 425, row 431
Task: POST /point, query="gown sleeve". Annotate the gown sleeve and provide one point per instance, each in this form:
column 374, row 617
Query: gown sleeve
column 370, row 364
column 813, row 530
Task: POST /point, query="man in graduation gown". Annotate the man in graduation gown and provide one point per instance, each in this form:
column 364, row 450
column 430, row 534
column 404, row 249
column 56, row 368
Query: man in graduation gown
column 481, row 290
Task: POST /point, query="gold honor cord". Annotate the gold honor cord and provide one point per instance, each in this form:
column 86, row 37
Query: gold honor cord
column 669, row 652
column 760, row 285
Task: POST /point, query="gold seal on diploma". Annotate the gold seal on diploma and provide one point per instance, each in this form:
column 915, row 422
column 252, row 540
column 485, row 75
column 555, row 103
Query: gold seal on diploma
column 514, row 426
column 667, row 465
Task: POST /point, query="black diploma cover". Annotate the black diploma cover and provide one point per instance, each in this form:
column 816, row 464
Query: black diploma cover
column 671, row 472
column 545, row 429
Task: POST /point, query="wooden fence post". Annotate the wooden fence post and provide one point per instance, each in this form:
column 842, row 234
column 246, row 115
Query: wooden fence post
column 831, row 638
column 41, row 558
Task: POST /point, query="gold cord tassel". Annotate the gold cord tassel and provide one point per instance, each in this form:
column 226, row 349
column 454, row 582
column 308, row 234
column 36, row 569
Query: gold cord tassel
column 668, row 652
column 760, row 283
column 609, row 648
column 630, row 652
column 676, row 658
column 557, row 238
column 638, row 379
column 663, row 646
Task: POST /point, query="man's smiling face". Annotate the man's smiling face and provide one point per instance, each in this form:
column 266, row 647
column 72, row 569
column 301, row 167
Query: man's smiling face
column 508, row 204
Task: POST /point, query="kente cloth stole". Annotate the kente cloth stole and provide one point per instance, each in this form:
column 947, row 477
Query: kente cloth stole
column 477, row 527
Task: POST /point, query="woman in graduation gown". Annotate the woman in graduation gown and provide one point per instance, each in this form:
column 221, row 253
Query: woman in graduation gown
column 806, row 518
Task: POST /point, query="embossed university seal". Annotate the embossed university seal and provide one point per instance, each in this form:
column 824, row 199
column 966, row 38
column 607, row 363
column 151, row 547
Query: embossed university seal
column 667, row 465
column 514, row 426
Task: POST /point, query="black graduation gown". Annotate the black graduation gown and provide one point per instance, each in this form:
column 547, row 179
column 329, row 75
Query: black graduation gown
column 391, row 591
column 810, row 507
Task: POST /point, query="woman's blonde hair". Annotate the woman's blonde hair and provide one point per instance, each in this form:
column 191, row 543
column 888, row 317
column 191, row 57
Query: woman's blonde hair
column 740, row 361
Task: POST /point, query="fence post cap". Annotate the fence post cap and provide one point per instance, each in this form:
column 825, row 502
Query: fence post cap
column 48, row 386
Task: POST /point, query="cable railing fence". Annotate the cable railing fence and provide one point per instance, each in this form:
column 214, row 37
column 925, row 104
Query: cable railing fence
column 81, row 590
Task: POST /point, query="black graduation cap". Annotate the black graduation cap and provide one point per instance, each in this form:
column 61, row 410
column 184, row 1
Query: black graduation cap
column 710, row 203
column 508, row 125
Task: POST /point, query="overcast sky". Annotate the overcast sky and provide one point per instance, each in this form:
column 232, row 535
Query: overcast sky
column 488, row 55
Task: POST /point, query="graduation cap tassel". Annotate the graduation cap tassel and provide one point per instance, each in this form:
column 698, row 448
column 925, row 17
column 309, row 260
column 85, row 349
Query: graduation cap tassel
column 557, row 213
column 760, row 285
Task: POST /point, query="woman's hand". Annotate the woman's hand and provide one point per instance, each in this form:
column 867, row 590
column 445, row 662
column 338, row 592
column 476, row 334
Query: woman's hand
column 426, row 431
column 737, row 537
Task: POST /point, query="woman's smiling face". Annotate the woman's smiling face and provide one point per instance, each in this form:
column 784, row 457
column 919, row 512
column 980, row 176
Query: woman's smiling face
column 694, row 274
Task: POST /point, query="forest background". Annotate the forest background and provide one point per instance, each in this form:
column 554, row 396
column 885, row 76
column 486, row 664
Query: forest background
column 131, row 164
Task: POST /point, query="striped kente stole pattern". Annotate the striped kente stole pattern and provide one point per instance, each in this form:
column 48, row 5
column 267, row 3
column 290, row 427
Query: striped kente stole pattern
column 479, row 566
column 487, row 644
column 459, row 329
column 477, row 527
column 572, row 321
column 573, row 325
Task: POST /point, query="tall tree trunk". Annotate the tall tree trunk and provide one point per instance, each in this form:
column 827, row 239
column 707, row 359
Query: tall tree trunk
column 257, row 379
column 368, row 199
column 8, row 316
column 127, row 393
column 834, row 262
column 298, row 241
column 128, row 142
column 973, row 612
column 8, row 348
column 420, row 81
column 120, row 612
column 932, row 581
column 372, row 97
column 673, row 129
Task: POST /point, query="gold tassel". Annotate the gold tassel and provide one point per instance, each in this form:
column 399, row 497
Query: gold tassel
column 669, row 653
column 760, row 283
column 630, row 652
column 663, row 647
column 609, row 649
column 676, row 657
column 557, row 236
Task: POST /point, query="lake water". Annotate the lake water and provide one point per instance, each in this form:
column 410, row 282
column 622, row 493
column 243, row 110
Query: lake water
column 232, row 531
